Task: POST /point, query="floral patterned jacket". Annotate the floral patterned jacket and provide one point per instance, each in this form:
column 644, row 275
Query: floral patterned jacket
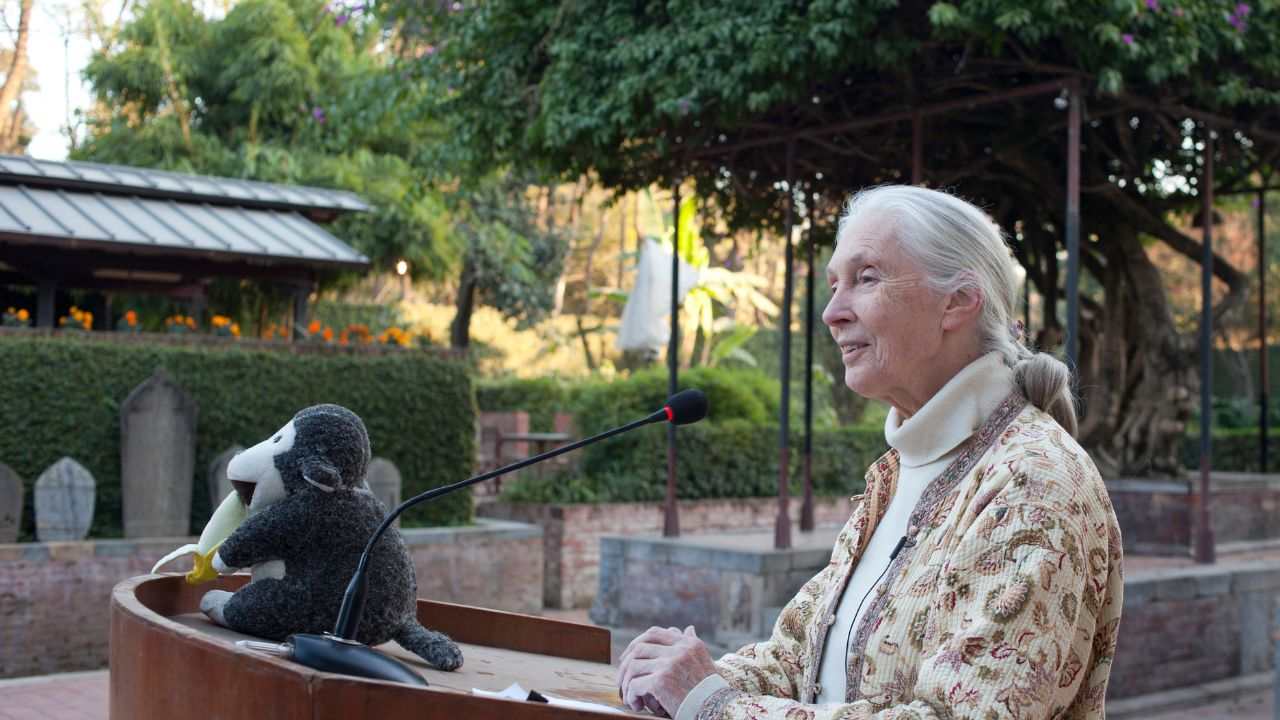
column 1005, row 604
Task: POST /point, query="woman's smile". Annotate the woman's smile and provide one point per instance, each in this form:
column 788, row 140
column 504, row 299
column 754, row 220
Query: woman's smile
column 850, row 350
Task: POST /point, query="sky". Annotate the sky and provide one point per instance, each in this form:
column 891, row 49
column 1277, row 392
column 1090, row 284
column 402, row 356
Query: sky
column 58, row 52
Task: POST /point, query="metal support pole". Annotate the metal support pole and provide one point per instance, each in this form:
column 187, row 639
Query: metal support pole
column 1073, row 228
column 806, row 508
column 782, row 526
column 917, row 148
column 670, row 518
column 1204, row 530
column 1264, row 355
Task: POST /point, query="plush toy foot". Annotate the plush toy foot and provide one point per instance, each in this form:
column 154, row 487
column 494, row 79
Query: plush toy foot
column 436, row 648
column 212, row 604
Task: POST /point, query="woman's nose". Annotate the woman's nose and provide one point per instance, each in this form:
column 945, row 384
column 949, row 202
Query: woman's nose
column 835, row 312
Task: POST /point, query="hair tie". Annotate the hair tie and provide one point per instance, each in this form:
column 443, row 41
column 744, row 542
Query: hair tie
column 1016, row 329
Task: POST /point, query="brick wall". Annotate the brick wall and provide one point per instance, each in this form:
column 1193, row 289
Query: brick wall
column 571, row 533
column 55, row 597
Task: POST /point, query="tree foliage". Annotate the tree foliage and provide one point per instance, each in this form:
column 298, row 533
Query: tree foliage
column 281, row 91
column 299, row 91
column 747, row 100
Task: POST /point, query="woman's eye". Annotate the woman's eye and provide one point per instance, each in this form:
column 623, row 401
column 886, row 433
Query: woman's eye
column 867, row 277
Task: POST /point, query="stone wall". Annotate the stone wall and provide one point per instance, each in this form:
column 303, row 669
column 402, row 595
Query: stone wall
column 1157, row 516
column 1192, row 625
column 1180, row 627
column 730, row 589
column 571, row 533
column 54, row 597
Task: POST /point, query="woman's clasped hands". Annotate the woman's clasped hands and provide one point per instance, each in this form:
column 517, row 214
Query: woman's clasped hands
column 660, row 667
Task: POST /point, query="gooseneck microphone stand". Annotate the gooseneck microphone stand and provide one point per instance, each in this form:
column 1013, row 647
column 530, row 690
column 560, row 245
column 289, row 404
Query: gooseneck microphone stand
column 339, row 651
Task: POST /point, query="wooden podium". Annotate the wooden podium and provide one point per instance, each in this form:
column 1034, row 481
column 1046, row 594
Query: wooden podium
column 169, row 661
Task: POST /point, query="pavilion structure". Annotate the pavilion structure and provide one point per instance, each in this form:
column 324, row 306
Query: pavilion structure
column 806, row 143
column 113, row 228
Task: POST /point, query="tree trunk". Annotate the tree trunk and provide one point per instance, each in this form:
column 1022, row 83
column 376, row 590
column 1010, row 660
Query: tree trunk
column 1139, row 379
column 460, row 328
column 16, row 75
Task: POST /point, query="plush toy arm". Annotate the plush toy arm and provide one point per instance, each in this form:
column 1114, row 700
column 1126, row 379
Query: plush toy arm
column 264, row 536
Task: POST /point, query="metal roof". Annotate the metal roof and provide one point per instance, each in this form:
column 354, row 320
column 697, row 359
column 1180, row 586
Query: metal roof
column 138, row 224
column 142, row 182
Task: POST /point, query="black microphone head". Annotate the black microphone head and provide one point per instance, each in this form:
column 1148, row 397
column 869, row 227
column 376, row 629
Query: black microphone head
column 686, row 406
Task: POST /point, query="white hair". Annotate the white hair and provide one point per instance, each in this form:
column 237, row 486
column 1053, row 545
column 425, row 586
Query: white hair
column 960, row 247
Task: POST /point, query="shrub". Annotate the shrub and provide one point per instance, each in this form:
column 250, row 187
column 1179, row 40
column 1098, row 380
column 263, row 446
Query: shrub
column 744, row 395
column 1233, row 450
column 542, row 398
column 62, row 396
column 716, row 460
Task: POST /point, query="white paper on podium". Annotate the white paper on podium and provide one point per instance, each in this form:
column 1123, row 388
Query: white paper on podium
column 515, row 692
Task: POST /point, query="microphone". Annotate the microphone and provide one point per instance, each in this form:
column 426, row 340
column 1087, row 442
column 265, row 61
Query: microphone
column 340, row 652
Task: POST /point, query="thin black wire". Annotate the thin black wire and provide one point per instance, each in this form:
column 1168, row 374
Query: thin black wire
column 848, row 639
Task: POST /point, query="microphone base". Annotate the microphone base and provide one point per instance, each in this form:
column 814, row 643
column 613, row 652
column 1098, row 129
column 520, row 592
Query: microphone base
column 328, row 653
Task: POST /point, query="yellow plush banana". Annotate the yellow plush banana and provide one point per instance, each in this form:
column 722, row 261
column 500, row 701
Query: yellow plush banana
column 225, row 520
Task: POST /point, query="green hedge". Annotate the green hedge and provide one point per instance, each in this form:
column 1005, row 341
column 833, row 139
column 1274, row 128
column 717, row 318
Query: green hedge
column 1234, row 450
column 61, row 396
column 598, row 404
column 542, row 398
column 716, row 460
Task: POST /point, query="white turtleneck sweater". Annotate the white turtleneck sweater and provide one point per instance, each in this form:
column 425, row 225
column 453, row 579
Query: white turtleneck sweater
column 926, row 442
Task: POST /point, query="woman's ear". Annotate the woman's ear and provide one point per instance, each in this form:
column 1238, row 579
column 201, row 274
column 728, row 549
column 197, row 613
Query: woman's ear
column 963, row 308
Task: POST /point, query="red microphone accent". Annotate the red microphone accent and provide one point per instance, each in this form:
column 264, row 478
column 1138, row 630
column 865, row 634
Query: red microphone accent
column 670, row 415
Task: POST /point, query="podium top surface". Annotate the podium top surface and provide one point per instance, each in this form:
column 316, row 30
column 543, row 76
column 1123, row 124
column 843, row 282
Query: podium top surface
column 169, row 660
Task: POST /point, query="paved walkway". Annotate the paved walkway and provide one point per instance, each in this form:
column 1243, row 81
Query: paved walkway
column 83, row 696
column 69, row 696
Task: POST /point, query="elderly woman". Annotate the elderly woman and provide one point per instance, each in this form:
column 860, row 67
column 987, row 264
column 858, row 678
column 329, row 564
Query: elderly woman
column 980, row 575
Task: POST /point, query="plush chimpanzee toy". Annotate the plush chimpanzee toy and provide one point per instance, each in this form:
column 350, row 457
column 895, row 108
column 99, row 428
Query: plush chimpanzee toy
column 310, row 516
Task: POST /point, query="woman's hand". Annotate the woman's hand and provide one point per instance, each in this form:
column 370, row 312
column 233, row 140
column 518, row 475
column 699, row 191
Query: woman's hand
column 660, row 667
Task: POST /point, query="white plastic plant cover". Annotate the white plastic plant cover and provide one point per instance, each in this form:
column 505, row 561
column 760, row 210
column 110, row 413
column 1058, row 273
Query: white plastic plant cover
column 645, row 324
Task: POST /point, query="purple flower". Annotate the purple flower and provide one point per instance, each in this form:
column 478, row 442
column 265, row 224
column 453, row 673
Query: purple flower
column 1153, row 5
column 341, row 20
column 430, row 50
column 317, row 113
column 1127, row 38
column 1237, row 18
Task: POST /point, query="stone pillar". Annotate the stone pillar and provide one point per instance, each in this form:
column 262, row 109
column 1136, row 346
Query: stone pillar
column 301, row 311
column 384, row 481
column 10, row 504
column 45, row 293
column 157, row 458
column 216, row 479
column 64, row 502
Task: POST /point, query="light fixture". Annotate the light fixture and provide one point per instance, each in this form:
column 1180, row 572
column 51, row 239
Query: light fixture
column 402, row 267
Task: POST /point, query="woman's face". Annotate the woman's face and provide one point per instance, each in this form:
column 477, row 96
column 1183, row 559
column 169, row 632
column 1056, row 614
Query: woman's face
column 888, row 324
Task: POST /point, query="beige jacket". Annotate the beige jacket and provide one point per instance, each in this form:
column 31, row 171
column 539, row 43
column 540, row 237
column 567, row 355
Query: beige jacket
column 1005, row 603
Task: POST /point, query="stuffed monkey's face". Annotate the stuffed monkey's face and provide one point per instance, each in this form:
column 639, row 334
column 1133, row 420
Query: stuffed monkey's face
column 253, row 473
